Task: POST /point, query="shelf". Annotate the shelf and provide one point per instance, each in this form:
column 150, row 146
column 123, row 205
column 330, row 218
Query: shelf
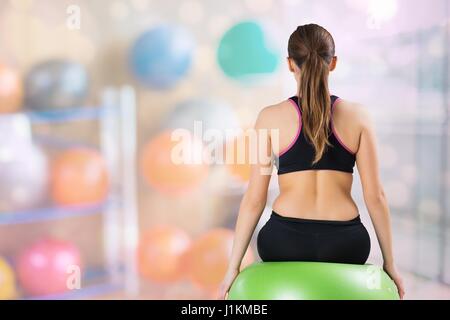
column 65, row 115
column 61, row 143
column 98, row 284
column 53, row 213
column 114, row 120
column 84, row 293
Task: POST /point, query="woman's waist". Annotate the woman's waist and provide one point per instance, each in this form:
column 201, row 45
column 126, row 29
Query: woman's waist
column 339, row 208
column 350, row 222
column 311, row 227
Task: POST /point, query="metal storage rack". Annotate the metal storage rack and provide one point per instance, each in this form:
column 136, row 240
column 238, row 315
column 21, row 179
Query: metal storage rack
column 117, row 133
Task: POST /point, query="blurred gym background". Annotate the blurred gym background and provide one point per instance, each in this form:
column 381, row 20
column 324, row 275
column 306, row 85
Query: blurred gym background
column 89, row 91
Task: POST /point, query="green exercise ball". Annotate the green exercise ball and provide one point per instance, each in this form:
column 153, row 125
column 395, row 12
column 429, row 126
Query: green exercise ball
column 247, row 51
column 312, row 281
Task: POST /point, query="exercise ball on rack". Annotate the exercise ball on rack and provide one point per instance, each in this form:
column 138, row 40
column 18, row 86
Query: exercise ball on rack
column 312, row 281
column 162, row 56
column 239, row 154
column 208, row 258
column 56, row 84
column 44, row 267
column 210, row 113
column 23, row 176
column 79, row 176
column 247, row 51
column 11, row 90
column 7, row 281
column 171, row 177
column 160, row 253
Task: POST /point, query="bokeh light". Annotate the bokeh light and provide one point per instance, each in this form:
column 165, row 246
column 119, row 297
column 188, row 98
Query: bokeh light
column 259, row 6
column 429, row 210
column 409, row 173
column 119, row 10
column 218, row 24
column 21, row 4
column 140, row 5
column 205, row 60
column 388, row 155
column 382, row 10
column 359, row 5
column 39, row 40
column 191, row 11
column 398, row 193
column 293, row 2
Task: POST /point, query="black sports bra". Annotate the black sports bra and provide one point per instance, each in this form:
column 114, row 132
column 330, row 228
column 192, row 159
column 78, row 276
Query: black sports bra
column 299, row 155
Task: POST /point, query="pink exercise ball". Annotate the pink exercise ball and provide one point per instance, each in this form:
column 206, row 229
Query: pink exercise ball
column 44, row 267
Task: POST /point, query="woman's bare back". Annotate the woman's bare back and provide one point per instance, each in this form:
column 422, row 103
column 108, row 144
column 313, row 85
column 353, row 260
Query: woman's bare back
column 316, row 194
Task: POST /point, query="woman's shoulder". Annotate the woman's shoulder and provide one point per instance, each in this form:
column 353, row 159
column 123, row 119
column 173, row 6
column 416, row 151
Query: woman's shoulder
column 277, row 107
column 270, row 116
column 352, row 111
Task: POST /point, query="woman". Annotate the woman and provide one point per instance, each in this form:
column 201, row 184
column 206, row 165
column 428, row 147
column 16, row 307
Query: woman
column 320, row 139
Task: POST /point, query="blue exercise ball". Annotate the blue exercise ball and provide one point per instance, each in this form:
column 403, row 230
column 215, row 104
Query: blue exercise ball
column 56, row 84
column 162, row 56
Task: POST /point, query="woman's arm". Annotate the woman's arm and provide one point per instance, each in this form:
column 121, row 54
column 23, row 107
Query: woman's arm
column 374, row 196
column 253, row 201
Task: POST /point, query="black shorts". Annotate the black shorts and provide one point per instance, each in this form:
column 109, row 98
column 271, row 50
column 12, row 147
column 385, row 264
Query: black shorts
column 295, row 239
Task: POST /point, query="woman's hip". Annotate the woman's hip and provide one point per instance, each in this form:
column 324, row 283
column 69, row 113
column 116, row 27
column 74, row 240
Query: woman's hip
column 294, row 239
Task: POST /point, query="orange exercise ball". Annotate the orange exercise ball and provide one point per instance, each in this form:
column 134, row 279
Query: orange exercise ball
column 160, row 253
column 208, row 258
column 11, row 90
column 79, row 176
column 7, row 281
column 238, row 158
column 168, row 176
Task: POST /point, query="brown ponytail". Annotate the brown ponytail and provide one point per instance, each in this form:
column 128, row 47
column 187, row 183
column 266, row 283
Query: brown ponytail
column 312, row 49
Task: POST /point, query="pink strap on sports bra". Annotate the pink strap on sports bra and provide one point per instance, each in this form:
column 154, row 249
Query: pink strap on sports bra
column 299, row 129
